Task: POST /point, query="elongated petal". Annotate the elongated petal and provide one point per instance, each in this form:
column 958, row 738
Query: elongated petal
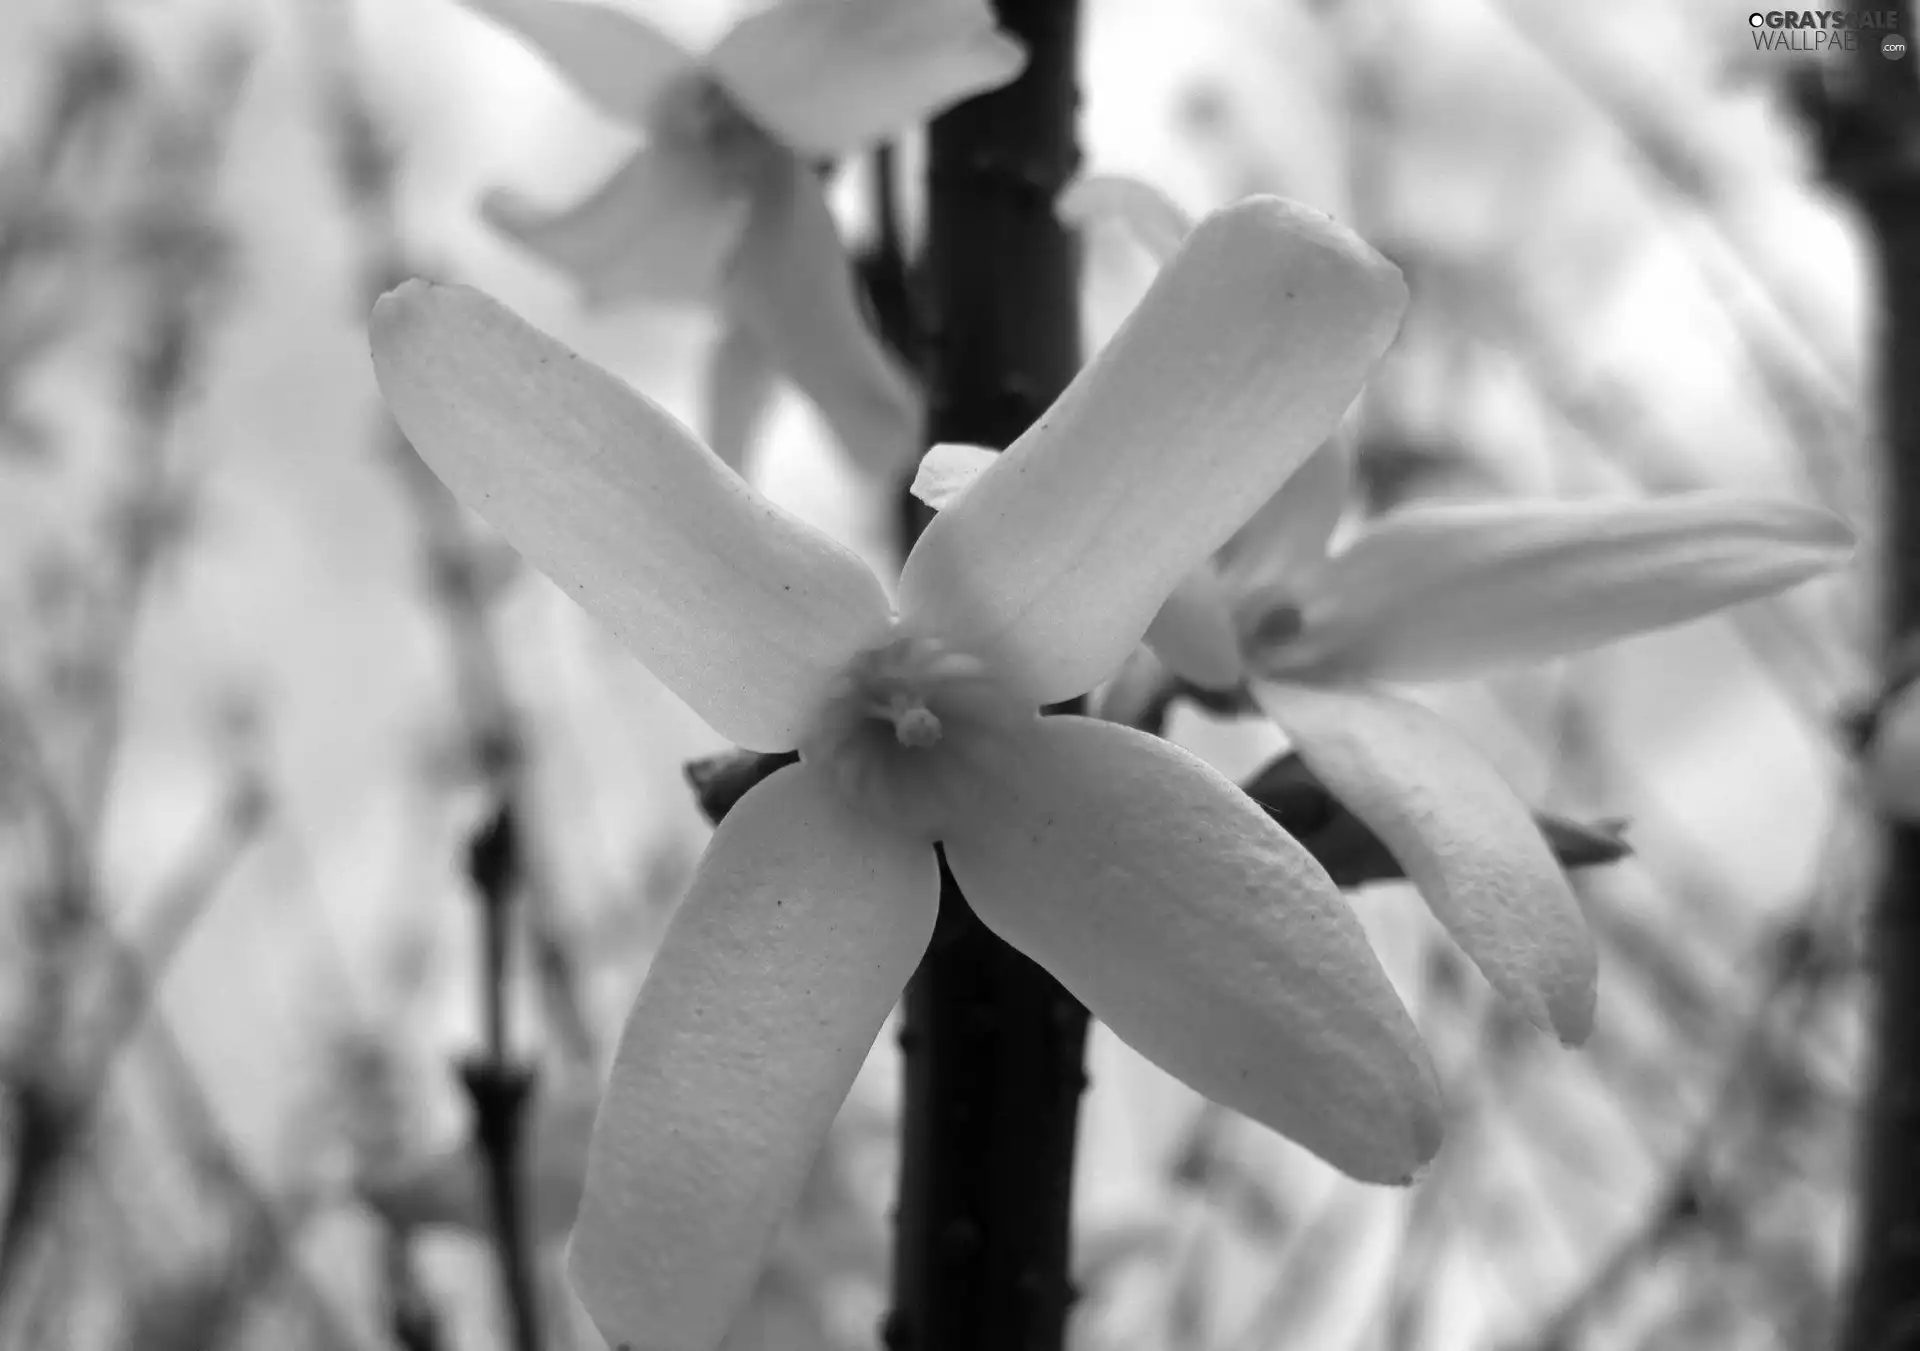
column 1450, row 591
column 1155, row 220
column 1205, row 936
column 791, row 285
column 830, row 76
column 618, row 62
column 740, row 390
column 801, row 926
column 661, row 228
column 1237, row 363
column 1466, row 840
column 741, row 609
column 947, row 470
column 1276, row 552
column 1194, row 633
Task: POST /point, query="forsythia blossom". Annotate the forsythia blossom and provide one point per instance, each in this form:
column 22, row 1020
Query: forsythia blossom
column 1153, row 889
column 724, row 203
column 1442, row 592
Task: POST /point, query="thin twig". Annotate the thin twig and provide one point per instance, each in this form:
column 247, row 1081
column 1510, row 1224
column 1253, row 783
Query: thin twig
column 454, row 564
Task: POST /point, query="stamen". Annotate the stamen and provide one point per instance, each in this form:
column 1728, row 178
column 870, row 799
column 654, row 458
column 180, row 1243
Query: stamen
column 913, row 722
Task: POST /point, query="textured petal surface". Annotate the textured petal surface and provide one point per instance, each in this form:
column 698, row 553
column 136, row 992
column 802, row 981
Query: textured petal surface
column 620, row 63
column 1451, row 591
column 661, row 228
column 792, row 286
column 1275, row 553
column 1148, row 214
column 1466, row 840
column 1206, row 937
column 1194, row 633
column 742, row 610
column 740, row 389
column 1237, row 363
column 801, row 926
column 831, row 76
column 947, row 470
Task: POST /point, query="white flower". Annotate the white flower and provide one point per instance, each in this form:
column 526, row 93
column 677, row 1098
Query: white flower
column 1442, row 592
column 723, row 202
column 1147, row 884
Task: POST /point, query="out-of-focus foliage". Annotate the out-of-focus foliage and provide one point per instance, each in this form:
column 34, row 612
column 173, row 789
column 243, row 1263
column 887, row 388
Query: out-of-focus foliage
column 258, row 682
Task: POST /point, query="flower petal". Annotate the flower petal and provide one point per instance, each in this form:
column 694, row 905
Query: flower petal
column 742, row 610
column 1194, row 633
column 1237, row 363
column 619, row 62
column 740, row 390
column 799, row 930
column 1155, row 220
column 661, row 228
column 831, row 76
column 1273, row 554
column 792, row 286
column 1466, row 840
column 947, row 470
column 1457, row 590
column 1205, row 936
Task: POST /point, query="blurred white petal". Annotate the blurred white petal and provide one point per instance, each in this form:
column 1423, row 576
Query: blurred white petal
column 1466, row 840
column 802, row 924
column 1154, row 219
column 617, row 61
column 831, row 76
column 449, row 1187
column 1194, row 633
column 1206, row 937
column 1891, row 760
column 792, row 286
column 744, row 611
column 740, row 388
column 947, row 470
column 1286, row 541
column 661, row 228
column 1459, row 590
column 1239, row 361
column 1133, row 691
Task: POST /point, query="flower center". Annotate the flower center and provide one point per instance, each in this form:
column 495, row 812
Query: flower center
column 909, row 729
column 913, row 722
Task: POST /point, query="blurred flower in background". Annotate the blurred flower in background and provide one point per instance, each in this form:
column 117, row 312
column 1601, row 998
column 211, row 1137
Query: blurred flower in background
column 724, row 204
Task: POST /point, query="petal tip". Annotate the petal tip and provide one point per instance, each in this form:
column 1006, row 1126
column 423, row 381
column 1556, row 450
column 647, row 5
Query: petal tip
column 1422, row 1129
column 400, row 309
column 1295, row 221
column 1570, row 1014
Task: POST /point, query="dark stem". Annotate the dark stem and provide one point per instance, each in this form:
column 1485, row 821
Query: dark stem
column 1872, row 139
column 500, row 1088
column 992, row 1045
